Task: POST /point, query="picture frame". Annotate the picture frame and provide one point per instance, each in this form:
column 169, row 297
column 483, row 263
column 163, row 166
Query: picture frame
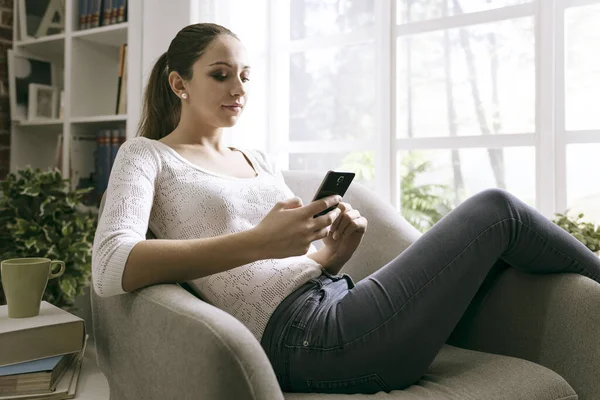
column 23, row 70
column 43, row 102
column 38, row 18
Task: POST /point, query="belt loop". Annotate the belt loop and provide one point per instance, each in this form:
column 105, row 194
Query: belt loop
column 349, row 280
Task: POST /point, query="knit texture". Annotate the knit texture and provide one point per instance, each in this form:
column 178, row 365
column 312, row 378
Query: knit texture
column 151, row 185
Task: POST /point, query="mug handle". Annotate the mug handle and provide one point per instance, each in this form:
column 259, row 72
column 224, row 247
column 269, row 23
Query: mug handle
column 60, row 272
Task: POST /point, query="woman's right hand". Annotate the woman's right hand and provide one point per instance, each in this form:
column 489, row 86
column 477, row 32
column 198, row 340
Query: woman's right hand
column 289, row 228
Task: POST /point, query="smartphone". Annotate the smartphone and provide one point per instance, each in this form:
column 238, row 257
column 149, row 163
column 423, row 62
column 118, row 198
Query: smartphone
column 333, row 183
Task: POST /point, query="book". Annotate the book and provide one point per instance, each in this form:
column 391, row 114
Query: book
column 67, row 386
column 122, row 58
column 122, row 103
column 122, row 11
column 102, row 160
column 106, row 12
column 51, row 333
column 33, row 377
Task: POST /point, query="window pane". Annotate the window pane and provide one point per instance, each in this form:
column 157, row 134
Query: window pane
column 247, row 19
column 324, row 84
column 465, row 172
column 583, row 181
column 476, row 80
column 329, row 17
column 412, row 11
column 359, row 162
column 582, row 74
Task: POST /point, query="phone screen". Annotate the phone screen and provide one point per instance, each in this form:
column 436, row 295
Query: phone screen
column 333, row 183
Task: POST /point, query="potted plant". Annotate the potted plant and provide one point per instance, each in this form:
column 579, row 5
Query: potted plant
column 40, row 216
column 585, row 232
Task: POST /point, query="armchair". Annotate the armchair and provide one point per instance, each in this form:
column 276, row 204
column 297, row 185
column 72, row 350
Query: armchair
column 524, row 336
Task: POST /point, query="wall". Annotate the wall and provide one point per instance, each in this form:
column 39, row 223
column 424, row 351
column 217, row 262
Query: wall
column 161, row 22
column 6, row 33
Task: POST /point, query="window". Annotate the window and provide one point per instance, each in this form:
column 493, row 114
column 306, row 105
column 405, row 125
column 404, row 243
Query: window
column 454, row 96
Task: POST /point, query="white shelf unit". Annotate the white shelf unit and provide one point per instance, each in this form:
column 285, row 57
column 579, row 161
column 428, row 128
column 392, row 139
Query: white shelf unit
column 87, row 62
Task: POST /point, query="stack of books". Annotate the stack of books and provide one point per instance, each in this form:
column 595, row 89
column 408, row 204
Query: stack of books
column 95, row 13
column 41, row 356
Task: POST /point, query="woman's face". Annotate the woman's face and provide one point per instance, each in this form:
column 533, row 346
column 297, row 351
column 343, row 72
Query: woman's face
column 217, row 92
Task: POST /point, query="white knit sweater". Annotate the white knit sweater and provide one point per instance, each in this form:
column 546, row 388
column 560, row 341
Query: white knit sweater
column 151, row 185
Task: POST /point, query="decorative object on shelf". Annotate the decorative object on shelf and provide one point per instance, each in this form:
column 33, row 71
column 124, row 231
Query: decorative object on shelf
column 43, row 102
column 585, row 232
column 38, row 18
column 23, row 70
column 40, row 216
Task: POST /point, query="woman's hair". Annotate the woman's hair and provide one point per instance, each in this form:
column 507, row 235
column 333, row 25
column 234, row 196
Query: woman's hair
column 162, row 108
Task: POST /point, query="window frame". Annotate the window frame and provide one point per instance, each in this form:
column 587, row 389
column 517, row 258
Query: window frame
column 550, row 137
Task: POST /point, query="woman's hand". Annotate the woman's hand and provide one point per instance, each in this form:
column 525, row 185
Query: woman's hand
column 289, row 228
column 344, row 237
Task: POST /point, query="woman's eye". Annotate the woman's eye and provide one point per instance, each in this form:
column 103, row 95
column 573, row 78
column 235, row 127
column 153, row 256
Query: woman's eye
column 245, row 79
column 220, row 77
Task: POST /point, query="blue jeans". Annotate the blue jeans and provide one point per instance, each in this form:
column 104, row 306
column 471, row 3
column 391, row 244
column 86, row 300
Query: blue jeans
column 382, row 334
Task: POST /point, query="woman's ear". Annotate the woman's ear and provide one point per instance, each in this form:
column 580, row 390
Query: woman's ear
column 177, row 84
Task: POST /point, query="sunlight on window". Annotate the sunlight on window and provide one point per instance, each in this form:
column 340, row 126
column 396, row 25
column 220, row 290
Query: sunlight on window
column 583, row 181
column 475, row 80
column 419, row 10
column 329, row 17
column 332, row 93
column 582, row 75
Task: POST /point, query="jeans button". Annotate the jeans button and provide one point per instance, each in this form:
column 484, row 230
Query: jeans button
column 305, row 343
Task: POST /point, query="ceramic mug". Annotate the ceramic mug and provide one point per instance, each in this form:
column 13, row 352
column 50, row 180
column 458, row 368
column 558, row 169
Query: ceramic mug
column 24, row 281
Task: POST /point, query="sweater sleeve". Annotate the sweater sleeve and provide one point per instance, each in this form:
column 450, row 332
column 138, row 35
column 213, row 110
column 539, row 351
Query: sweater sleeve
column 124, row 219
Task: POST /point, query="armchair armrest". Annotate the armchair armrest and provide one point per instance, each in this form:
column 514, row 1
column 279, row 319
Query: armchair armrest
column 552, row 320
column 161, row 342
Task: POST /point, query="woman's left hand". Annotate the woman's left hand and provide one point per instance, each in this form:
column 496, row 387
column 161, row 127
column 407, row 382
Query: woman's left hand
column 345, row 234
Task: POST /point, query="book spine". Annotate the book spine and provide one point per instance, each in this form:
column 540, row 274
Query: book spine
column 82, row 13
column 106, row 11
column 114, row 146
column 122, row 103
column 102, row 160
column 96, row 13
column 88, row 14
column 120, row 77
column 114, row 11
column 121, row 14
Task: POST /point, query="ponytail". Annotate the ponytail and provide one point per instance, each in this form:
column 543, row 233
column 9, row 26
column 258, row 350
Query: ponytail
column 162, row 108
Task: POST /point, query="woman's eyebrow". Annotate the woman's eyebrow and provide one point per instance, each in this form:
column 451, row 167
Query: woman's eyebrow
column 227, row 64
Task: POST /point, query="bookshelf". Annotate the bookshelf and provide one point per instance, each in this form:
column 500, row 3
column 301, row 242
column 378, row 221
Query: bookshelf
column 86, row 64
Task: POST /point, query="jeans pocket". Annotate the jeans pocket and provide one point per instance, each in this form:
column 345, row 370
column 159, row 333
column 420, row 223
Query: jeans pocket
column 368, row 384
column 307, row 310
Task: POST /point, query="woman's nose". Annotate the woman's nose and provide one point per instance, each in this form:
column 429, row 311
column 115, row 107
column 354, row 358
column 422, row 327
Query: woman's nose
column 238, row 88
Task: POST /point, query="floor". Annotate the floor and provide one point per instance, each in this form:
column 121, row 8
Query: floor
column 92, row 384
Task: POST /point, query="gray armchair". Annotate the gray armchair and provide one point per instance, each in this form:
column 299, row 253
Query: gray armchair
column 530, row 337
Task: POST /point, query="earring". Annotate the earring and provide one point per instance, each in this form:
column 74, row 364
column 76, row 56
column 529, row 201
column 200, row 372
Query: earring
column 184, row 96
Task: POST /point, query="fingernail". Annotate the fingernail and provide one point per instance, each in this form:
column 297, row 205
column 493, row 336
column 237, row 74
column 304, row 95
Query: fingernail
column 338, row 198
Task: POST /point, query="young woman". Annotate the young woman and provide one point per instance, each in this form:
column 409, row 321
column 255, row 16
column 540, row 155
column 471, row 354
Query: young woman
column 227, row 224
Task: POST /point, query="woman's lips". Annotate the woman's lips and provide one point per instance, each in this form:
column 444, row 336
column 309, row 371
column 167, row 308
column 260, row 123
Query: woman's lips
column 233, row 108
